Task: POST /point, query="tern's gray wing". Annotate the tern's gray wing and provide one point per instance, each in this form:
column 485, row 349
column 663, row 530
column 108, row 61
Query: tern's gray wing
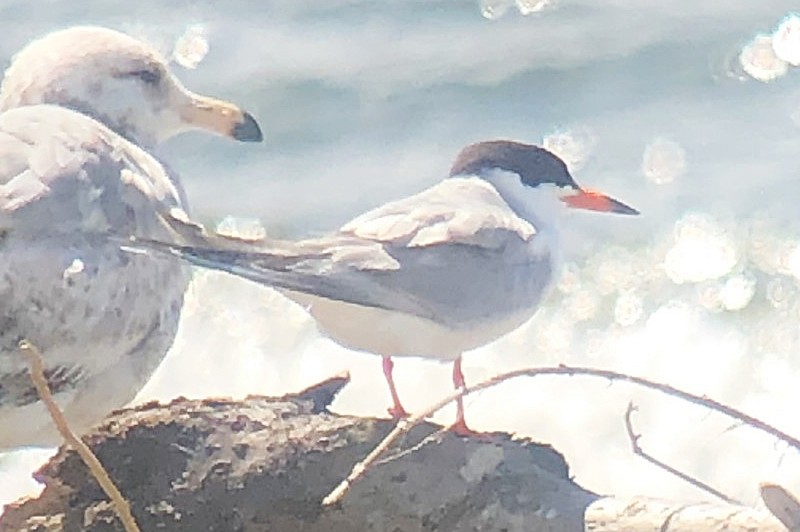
column 61, row 173
column 454, row 242
column 456, row 211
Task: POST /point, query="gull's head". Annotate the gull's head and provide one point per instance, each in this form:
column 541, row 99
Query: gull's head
column 531, row 179
column 119, row 81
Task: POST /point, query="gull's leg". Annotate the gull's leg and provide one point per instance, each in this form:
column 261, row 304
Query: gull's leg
column 396, row 410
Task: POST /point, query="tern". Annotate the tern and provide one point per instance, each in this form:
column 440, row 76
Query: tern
column 433, row 275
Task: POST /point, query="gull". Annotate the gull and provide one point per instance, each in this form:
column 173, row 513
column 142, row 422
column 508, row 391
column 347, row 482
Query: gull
column 433, row 275
column 81, row 108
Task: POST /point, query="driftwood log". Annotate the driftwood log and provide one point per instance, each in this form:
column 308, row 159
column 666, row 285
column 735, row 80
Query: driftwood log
column 265, row 464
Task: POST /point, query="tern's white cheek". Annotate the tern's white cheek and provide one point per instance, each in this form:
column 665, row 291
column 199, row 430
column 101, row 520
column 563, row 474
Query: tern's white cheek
column 538, row 205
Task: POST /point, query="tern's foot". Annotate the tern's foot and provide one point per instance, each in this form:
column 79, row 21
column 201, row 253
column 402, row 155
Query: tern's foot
column 397, row 411
column 460, row 428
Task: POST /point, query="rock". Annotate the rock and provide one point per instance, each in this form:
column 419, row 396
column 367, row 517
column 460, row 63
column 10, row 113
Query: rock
column 266, row 463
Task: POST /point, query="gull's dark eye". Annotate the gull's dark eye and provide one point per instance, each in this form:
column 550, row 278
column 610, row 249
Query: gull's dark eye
column 150, row 77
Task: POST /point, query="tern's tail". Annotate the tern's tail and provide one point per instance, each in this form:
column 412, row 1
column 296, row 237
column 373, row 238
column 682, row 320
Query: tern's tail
column 286, row 266
column 270, row 265
column 346, row 269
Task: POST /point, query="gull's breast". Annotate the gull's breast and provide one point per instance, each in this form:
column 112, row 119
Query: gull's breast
column 103, row 319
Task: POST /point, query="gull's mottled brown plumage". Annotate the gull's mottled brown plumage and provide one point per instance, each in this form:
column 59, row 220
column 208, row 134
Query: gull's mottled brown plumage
column 103, row 318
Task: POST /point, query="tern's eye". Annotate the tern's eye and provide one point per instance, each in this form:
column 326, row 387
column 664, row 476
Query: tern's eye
column 150, row 77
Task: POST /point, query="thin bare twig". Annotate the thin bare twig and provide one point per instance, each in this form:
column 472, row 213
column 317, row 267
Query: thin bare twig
column 360, row 468
column 430, row 438
column 121, row 506
column 638, row 451
column 405, row 425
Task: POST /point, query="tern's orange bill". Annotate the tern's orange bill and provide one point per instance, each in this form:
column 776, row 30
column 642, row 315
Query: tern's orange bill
column 592, row 200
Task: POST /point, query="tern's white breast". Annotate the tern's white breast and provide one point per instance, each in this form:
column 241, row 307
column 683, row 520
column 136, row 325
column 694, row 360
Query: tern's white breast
column 390, row 333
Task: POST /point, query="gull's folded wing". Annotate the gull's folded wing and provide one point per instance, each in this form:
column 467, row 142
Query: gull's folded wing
column 62, row 172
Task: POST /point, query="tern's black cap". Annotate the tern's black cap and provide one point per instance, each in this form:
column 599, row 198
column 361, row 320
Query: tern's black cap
column 535, row 165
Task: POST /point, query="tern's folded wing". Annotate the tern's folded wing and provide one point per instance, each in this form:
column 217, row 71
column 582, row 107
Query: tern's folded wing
column 456, row 211
column 455, row 242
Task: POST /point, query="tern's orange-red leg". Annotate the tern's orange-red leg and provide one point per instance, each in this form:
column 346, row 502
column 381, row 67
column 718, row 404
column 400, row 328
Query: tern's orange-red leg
column 396, row 410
